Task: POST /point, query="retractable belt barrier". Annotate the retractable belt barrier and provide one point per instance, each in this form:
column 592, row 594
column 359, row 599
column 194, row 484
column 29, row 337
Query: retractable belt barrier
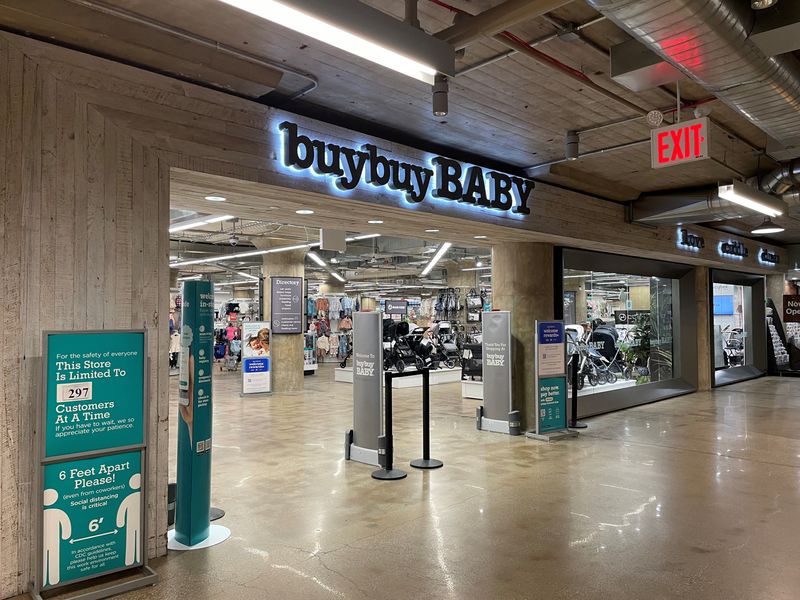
column 386, row 441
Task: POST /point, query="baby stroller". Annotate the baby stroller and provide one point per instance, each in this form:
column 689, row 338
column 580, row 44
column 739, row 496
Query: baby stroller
column 397, row 352
column 733, row 340
column 447, row 339
column 231, row 360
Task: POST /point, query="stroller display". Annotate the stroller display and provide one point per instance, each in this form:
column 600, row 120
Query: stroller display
column 423, row 347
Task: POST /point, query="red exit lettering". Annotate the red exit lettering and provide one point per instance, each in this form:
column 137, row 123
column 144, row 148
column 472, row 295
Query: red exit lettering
column 680, row 143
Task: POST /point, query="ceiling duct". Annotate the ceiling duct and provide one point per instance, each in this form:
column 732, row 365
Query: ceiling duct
column 696, row 205
column 782, row 179
column 708, row 40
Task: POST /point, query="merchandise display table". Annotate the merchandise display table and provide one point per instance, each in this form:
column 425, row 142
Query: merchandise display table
column 437, row 377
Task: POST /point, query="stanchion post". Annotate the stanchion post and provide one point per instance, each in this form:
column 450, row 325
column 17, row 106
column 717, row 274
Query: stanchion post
column 426, row 462
column 573, row 422
column 388, row 472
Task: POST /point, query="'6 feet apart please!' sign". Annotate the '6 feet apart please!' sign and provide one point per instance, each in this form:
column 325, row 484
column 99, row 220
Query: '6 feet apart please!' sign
column 93, row 446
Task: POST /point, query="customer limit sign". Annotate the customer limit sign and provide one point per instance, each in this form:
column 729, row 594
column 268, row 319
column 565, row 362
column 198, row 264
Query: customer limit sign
column 95, row 388
column 91, row 468
column 92, row 517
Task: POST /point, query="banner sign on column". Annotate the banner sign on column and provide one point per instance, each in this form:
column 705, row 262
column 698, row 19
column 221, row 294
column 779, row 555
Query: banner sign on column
column 193, row 500
column 95, row 391
column 256, row 362
column 93, row 441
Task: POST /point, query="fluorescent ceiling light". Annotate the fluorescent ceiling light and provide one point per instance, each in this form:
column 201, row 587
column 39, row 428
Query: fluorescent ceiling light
column 481, row 237
column 368, row 236
column 307, row 23
column 485, row 276
column 316, row 258
column 477, row 269
column 749, row 197
column 304, row 211
column 225, row 283
column 337, row 276
column 436, row 258
column 216, row 198
column 375, row 222
column 190, row 278
column 198, row 222
column 238, row 255
column 431, row 231
column 767, row 227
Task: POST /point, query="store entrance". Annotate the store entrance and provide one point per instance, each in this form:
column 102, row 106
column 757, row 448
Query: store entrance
column 738, row 329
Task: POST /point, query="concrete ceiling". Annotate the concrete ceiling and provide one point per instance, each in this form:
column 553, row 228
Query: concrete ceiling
column 512, row 113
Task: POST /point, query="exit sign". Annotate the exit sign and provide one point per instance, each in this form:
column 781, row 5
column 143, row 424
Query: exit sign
column 679, row 143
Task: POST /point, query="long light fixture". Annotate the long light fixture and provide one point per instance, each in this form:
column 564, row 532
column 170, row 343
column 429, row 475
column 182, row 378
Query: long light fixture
column 436, row 258
column 337, row 276
column 316, row 258
column 361, row 30
column 477, row 269
column 198, row 222
column 767, row 227
column 749, row 197
column 226, row 283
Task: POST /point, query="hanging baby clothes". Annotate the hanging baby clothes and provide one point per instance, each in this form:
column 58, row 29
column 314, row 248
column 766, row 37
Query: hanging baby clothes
column 311, row 307
column 342, row 346
column 335, row 306
column 323, row 345
column 346, row 324
column 333, row 345
column 322, row 305
column 347, row 306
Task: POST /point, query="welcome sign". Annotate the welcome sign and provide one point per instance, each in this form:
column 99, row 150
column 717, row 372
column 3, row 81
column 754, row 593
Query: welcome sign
column 443, row 179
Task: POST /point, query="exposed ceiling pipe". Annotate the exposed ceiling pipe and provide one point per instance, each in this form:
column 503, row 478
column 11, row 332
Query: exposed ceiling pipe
column 708, row 40
column 673, row 207
column 517, row 43
column 412, row 16
column 469, row 28
column 132, row 17
column 532, row 44
column 783, row 178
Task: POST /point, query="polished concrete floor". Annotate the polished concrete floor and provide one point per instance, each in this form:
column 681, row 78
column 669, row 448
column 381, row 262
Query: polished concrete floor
column 693, row 498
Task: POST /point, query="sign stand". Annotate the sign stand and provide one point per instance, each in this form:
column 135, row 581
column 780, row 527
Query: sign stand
column 497, row 413
column 361, row 442
column 387, row 472
column 91, row 494
column 550, row 380
column 573, row 421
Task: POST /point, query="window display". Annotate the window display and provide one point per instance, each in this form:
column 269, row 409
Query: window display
column 621, row 330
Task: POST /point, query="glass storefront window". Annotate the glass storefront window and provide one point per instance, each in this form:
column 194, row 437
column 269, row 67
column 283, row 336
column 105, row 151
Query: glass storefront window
column 621, row 327
column 731, row 307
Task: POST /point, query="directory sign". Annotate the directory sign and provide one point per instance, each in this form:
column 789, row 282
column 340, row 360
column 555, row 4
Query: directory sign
column 93, row 440
column 287, row 305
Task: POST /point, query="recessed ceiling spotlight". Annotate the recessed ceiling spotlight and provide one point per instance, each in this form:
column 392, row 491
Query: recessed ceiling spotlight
column 215, row 198
column 481, row 237
column 762, row 4
column 304, row 211
column 431, row 231
column 479, row 263
column 375, row 222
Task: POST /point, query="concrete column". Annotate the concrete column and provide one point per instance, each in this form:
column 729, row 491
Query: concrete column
column 173, row 279
column 369, row 304
column 776, row 288
column 705, row 353
column 522, row 283
column 286, row 350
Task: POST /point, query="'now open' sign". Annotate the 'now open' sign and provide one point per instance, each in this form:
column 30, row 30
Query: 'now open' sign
column 679, row 143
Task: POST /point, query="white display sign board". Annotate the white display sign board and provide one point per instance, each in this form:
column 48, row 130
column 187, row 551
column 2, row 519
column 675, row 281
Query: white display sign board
column 256, row 359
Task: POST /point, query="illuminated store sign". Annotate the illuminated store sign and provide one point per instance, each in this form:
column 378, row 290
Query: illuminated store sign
column 734, row 249
column 690, row 241
column 767, row 257
column 679, row 143
column 443, row 179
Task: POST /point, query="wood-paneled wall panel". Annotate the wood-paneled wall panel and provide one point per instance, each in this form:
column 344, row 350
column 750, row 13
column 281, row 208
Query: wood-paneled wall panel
column 81, row 244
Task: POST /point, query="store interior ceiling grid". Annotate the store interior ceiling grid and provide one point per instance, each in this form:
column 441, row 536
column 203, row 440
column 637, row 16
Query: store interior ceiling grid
column 511, row 114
